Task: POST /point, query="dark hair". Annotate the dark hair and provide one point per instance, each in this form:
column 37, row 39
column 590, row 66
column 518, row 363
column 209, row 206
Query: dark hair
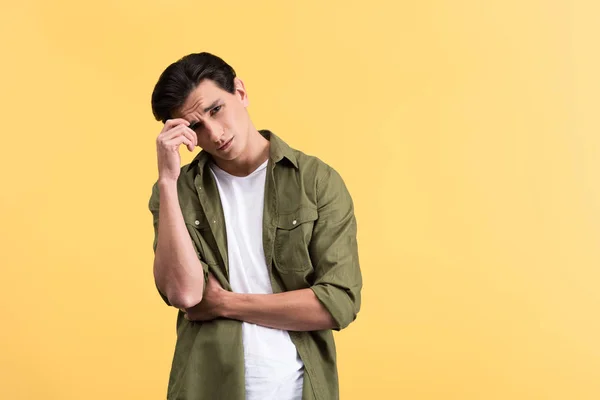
column 183, row 76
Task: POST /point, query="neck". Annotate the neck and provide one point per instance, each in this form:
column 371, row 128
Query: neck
column 255, row 153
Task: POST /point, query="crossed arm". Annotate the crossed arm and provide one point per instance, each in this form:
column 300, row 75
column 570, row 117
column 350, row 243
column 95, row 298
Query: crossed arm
column 297, row 310
column 331, row 303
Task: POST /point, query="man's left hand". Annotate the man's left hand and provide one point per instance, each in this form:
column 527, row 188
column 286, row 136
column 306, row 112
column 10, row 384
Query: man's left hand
column 211, row 305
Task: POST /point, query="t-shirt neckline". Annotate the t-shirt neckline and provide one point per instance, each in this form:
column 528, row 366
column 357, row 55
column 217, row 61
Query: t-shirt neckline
column 217, row 169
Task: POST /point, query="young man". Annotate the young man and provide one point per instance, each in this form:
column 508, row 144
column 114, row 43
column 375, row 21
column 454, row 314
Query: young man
column 255, row 244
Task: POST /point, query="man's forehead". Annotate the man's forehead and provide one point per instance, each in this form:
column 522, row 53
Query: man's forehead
column 202, row 97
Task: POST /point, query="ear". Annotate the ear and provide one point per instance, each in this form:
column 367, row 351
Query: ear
column 240, row 92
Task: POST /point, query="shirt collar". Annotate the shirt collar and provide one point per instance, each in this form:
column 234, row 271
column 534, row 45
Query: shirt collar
column 277, row 152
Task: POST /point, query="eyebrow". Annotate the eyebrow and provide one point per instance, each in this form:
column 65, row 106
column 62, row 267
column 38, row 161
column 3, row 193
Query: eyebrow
column 213, row 105
column 194, row 124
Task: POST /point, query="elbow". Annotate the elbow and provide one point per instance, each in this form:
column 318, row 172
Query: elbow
column 181, row 295
column 184, row 300
column 186, row 297
column 342, row 305
column 330, row 322
column 345, row 318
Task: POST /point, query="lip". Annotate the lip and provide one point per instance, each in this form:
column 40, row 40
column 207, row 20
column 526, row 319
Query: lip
column 226, row 145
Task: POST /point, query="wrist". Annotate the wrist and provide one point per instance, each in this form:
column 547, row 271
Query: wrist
column 167, row 183
column 229, row 304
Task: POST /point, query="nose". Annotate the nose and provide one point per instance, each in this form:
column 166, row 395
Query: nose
column 215, row 131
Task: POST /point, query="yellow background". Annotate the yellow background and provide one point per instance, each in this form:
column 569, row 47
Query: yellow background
column 466, row 131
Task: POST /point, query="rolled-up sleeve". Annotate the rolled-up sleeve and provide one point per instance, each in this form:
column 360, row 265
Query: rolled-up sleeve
column 334, row 251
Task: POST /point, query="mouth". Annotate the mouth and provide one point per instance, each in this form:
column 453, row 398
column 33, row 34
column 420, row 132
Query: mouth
column 226, row 145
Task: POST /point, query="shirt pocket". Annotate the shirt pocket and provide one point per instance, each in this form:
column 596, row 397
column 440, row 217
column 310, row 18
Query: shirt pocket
column 199, row 230
column 293, row 235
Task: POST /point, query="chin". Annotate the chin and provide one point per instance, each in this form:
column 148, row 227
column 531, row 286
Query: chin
column 226, row 157
column 232, row 156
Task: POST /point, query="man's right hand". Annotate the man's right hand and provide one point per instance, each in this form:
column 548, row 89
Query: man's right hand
column 174, row 133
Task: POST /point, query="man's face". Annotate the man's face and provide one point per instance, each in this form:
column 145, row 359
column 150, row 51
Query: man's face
column 219, row 118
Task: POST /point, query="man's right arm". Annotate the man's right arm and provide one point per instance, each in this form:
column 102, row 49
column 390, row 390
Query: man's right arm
column 178, row 272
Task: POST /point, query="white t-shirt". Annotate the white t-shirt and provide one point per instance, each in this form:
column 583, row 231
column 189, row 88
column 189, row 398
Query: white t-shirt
column 274, row 370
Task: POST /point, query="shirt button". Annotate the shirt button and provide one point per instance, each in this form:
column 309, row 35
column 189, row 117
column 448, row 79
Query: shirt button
column 294, row 222
column 197, row 222
column 214, row 221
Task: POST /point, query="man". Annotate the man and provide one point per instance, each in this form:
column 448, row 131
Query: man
column 255, row 244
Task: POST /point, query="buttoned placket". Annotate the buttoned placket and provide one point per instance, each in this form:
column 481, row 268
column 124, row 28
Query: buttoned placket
column 210, row 201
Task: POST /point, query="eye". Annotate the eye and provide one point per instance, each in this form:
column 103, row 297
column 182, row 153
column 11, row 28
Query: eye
column 215, row 110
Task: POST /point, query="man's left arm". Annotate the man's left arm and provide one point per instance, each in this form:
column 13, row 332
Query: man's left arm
column 334, row 299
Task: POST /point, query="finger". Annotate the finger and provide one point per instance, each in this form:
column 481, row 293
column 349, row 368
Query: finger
column 176, row 131
column 177, row 141
column 172, row 134
column 190, row 134
column 189, row 144
column 171, row 123
column 173, row 144
column 213, row 281
column 182, row 130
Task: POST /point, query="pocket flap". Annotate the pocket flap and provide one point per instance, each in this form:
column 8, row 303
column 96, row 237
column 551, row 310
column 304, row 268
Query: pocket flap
column 298, row 217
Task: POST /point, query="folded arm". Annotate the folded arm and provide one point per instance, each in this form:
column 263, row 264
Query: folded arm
column 332, row 302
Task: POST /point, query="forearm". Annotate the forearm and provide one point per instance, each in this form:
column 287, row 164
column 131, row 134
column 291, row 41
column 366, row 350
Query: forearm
column 297, row 310
column 177, row 269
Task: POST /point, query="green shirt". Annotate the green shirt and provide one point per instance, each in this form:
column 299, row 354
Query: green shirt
column 309, row 240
